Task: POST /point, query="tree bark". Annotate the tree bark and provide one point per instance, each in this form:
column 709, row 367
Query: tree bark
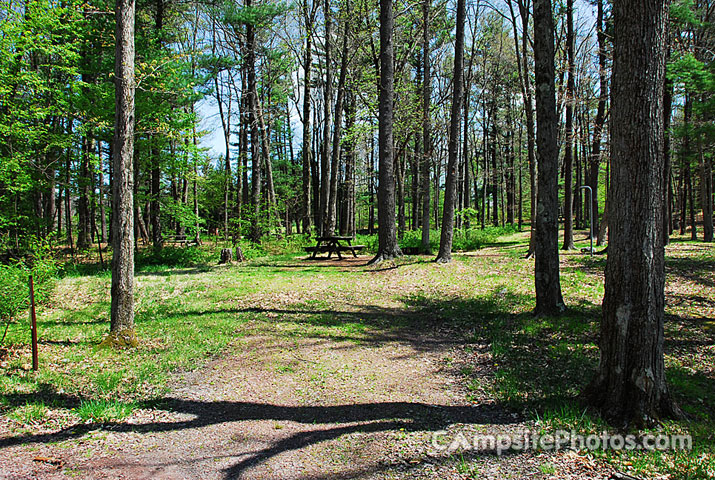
column 524, row 77
column 309, row 17
column 327, row 106
column 450, row 190
column 568, row 154
column 337, row 130
column 549, row 300
column 155, row 194
column 426, row 128
column 83, row 182
column 256, row 170
column 706, row 179
column 387, row 238
column 122, row 309
column 350, row 114
column 600, row 120
column 630, row 386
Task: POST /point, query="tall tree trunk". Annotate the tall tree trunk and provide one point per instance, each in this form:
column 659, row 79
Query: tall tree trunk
column 256, row 170
column 335, row 163
column 630, row 386
column 426, row 128
column 266, row 164
column 667, row 162
column 595, row 157
column 549, row 300
column 245, row 128
column 706, row 185
column 494, row 178
column 327, row 106
column 350, row 114
column 156, row 236
column 309, row 17
column 687, row 160
column 83, row 183
column 122, row 309
column 524, row 77
column 450, row 189
column 226, row 126
column 387, row 238
column 371, row 187
column 568, row 154
column 102, row 212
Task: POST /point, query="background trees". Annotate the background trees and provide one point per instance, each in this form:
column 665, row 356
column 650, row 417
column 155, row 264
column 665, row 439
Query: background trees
column 294, row 91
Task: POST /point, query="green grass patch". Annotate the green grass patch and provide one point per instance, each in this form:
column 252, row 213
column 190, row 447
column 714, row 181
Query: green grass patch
column 104, row 411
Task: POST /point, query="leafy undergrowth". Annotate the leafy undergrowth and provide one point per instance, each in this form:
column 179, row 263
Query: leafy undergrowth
column 189, row 312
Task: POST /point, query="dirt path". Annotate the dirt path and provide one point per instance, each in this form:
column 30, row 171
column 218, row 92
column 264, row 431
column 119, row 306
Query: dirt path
column 284, row 405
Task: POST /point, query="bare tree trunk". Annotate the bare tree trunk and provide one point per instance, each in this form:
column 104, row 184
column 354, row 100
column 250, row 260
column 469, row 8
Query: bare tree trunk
column 256, row 170
column 706, row 179
column 450, row 189
column 371, row 187
column 309, row 17
column 327, row 105
column 83, row 183
column 667, row 168
column 630, row 386
column 524, row 77
column 335, row 163
column 568, row 157
column 122, row 310
column 549, row 300
column 155, row 194
column 350, row 114
column 600, row 120
column 102, row 210
column 426, row 128
column 387, row 238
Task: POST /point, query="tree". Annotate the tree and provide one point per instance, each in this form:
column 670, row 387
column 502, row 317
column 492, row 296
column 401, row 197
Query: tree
column 122, row 312
column 594, row 160
column 386, row 231
column 426, row 128
column 630, row 386
column 309, row 19
column 450, row 189
column 568, row 154
column 549, row 300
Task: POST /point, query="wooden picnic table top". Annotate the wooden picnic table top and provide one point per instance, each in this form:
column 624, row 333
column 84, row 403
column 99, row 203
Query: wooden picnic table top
column 333, row 238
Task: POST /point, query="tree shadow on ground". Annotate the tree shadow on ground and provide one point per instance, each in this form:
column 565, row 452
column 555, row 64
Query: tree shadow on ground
column 340, row 419
column 695, row 269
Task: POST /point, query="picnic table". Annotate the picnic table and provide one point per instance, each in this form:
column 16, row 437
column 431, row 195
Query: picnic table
column 334, row 244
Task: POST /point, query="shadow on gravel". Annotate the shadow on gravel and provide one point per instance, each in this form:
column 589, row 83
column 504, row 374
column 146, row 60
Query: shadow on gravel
column 364, row 418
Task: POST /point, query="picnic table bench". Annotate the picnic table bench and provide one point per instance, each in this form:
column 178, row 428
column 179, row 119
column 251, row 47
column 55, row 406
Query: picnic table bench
column 335, row 244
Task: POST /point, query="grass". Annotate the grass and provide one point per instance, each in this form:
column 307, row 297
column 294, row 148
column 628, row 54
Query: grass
column 190, row 310
column 104, row 411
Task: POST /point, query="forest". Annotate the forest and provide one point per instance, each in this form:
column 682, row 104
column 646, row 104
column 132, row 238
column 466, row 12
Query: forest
column 532, row 178
column 282, row 171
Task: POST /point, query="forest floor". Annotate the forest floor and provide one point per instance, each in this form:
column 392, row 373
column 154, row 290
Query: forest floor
column 287, row 368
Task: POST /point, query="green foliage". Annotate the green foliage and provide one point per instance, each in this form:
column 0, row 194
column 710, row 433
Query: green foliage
column 14, row 284
column 465, row 240
column 173, row 257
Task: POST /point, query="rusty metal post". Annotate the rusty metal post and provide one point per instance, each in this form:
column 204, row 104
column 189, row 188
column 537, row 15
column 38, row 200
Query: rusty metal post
column 33, row 317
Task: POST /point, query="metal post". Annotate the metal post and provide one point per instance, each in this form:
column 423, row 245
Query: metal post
column 590, row 214
column 33, row 318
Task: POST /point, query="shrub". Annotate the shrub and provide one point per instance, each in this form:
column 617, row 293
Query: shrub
column 463, row 240
column 14, row 285
column 173, row 257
